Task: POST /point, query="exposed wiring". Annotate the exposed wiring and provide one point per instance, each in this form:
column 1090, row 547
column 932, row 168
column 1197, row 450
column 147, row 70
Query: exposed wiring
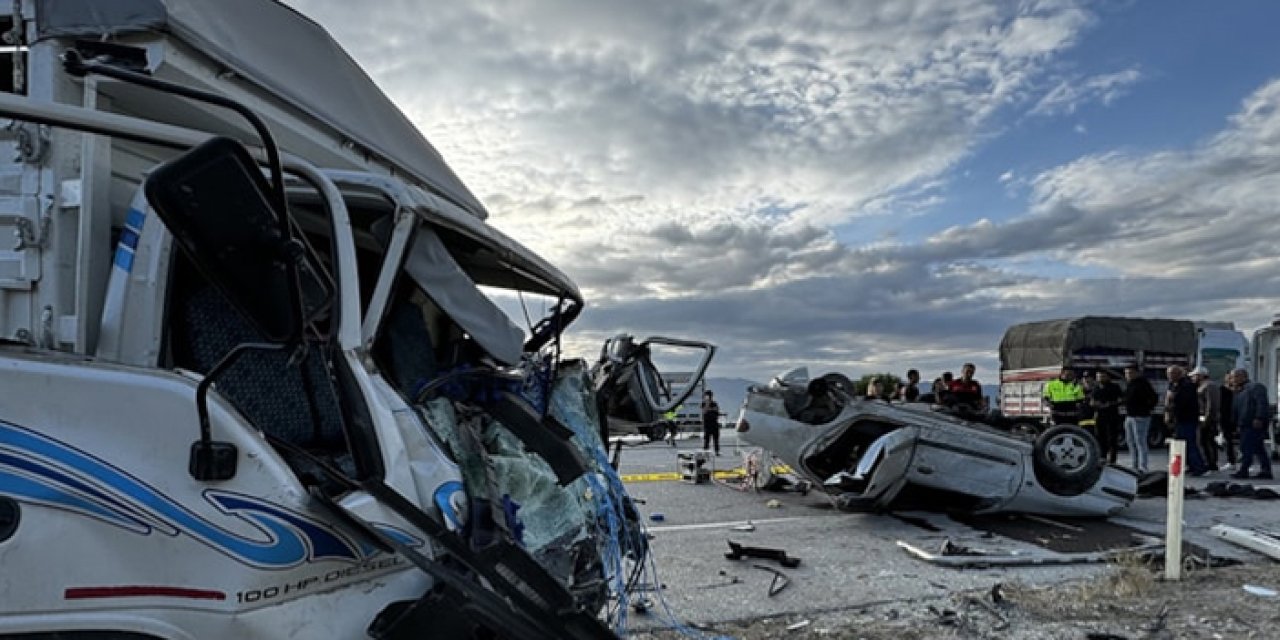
column 626, row 539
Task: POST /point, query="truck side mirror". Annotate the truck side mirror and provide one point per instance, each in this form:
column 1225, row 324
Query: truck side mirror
column 215, row 202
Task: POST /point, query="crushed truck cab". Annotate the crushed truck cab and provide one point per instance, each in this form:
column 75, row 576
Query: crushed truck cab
column 255, row 382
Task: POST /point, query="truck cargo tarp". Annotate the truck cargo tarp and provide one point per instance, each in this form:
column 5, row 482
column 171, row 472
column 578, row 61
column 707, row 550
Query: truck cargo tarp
column 1048, row 343
column 282, row 51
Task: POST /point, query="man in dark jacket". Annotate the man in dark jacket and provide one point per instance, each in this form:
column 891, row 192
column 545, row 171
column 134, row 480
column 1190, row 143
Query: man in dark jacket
column 1251, row 408
column 1105, row 400
column 1139, row 399
column 710, row 411
column 1182, row 408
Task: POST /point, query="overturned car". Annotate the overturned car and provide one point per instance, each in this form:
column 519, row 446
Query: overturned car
column 874, row 455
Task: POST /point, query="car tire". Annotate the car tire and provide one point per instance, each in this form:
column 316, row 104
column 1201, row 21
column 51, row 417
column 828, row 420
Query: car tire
column 1067, row 460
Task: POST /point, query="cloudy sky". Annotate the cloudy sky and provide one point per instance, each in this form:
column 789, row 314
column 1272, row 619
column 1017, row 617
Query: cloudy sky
column 856, row 186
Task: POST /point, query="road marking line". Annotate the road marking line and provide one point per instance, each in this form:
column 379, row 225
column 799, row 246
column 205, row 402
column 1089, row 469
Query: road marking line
column 728, row 525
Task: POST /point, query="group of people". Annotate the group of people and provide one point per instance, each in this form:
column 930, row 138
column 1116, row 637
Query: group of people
column 1196, row 407
column 709, row 413
column 1199, row 408
column 963, row 392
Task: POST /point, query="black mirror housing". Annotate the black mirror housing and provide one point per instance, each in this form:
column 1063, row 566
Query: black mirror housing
column 216, row 203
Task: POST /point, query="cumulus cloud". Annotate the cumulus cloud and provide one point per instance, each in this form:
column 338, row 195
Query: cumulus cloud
column 687, row 162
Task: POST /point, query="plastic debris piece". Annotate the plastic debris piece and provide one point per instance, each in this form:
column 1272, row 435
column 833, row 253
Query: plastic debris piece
column 738, row 552
column 745, row 527
column 1260, row 591
column 773, row 504
column 657, row 516
column 799, row 625
column 779, row 582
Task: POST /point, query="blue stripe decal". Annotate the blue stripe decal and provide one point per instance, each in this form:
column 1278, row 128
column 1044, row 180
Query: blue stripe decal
column 38, row 469
column 124, row 258
column 134, row 219
column 129, row 238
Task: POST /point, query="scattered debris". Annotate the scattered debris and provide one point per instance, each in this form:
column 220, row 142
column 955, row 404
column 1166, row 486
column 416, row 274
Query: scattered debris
column 726, row 583
column 1224, row 489
column 779, row 582
column 962, row 557
column 774, row 504
column 737, row 552
column 950, row 548
column 1001, row 621
column 1260, row 541
column 1159, row 622
column 1260, row 591
column 946, row 617
column 797, row 626
column 1155, row 484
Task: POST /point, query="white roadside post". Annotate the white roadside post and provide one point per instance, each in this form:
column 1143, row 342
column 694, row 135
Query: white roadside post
column 1173, row 526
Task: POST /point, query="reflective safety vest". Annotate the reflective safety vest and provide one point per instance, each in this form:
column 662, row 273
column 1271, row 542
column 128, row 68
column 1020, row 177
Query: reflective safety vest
column 1058, row 391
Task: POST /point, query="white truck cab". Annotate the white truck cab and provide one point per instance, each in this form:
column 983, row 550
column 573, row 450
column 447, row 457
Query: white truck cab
column 251, row 385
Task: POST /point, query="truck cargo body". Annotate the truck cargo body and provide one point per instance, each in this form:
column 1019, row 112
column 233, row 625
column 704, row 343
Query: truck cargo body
column 1032, row 354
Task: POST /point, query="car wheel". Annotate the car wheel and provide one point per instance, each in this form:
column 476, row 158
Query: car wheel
column 1067, row 460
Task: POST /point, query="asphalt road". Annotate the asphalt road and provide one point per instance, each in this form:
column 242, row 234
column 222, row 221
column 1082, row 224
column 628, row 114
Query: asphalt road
column 848, row 561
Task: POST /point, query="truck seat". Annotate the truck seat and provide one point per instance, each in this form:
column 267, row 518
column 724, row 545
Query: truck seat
column 262, row 385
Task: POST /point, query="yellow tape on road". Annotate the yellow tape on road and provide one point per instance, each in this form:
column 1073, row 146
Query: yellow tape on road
column 672, row 476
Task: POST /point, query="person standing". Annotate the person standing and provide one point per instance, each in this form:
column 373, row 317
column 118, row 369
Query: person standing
column 670, row 419
column 1140, row 399
column 1251, row 405
column 1210, row 411
column 1227, row 419
column 1182, row 409
column 875, row 389
column 1063, row 395
column 710, row 421
column 1105, row 400
column 965, row 392
column 940, row 387
column 909, row 392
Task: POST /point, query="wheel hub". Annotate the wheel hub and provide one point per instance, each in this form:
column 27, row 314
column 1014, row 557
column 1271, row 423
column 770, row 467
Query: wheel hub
column 1067, row 452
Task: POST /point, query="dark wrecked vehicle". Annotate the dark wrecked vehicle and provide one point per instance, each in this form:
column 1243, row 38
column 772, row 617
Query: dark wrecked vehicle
column 631, row 390
column 874, row 455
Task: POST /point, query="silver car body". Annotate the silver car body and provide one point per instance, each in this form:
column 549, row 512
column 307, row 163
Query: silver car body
column 875, row 455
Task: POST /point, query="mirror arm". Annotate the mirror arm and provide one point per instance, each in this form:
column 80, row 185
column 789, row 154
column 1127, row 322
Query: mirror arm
column 565, row 312
column 217, row 460
column 75, row 64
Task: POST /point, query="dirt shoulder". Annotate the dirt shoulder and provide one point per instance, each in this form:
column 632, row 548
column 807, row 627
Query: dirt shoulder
column 1131, row 602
